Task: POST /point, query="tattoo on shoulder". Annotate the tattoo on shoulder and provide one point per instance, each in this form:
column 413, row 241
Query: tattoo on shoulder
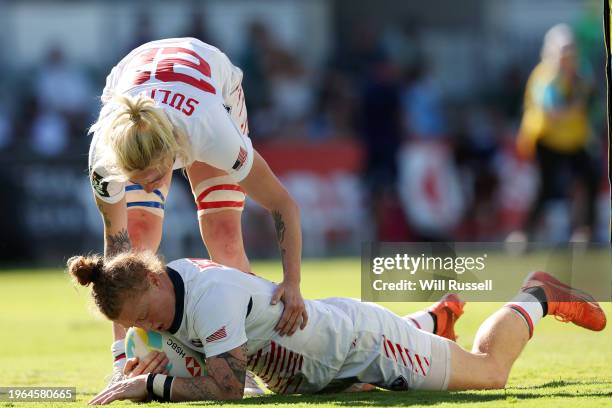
column 279, row 224
column 117, row 243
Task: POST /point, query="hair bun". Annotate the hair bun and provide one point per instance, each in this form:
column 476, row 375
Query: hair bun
column 85, row 269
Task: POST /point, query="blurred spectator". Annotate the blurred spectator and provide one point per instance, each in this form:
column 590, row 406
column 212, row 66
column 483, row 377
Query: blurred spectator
column 589, row 36
column 197, row 26
column 259, row 50
column 291, row 91
column 591, row 57
column 143, row 32
column 404, row 44
column 50, row 134
column 476, row 150
column 63, row 88
column 422, row 104
column 380, row 122
column 381, row 132
column 508, row 95
column 555, row 128
column 357, row 53
column 6, row 129
column 278, row 87
column 335, row 107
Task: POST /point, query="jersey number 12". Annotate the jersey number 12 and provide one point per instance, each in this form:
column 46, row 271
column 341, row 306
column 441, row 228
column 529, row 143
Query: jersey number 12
column 165, row 67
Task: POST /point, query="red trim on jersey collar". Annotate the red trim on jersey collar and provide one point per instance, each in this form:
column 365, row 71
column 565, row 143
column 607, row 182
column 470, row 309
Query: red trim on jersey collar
column 179, row 295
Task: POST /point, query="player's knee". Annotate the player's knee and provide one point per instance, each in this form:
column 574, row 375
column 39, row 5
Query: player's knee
column 224, row 241
column 226, row 230
column 497, row 376
column 138, row 232
column 229, row 253
column 142, row 230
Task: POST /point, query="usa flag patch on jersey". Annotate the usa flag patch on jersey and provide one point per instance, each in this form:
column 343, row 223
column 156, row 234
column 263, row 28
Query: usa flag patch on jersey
column 242, row 156
column 218, row 335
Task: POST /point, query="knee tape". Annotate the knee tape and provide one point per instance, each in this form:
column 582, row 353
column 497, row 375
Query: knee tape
column 153, row 202
column 218, row 194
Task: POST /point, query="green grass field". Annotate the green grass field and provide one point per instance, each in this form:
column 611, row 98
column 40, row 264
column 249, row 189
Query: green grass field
column 51, row 337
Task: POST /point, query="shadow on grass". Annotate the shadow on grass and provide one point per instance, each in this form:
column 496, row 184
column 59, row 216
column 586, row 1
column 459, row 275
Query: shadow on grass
column 562, row 383
column 389, row 398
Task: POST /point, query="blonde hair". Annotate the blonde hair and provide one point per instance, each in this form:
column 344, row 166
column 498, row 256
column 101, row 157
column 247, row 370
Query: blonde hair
column 557, row 39
column 116, row 279
column 137, row 135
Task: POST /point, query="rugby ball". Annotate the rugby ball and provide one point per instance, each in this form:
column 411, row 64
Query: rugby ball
column 183, row 361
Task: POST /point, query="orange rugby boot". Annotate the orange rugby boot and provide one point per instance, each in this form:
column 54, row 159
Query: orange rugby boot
column 568, row 304
column 447, row 311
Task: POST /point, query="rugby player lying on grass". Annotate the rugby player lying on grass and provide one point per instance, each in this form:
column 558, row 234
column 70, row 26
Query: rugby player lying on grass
column 226, row 315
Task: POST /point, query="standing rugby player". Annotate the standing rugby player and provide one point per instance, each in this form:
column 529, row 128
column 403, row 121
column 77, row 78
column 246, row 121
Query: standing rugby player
column 227, row 316
column 178, row 104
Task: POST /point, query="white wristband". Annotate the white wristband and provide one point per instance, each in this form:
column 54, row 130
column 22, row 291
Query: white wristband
column 158, row 384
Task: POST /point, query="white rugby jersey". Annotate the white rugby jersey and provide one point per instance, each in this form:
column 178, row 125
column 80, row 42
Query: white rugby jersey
column 220, row 308
column 195, row 84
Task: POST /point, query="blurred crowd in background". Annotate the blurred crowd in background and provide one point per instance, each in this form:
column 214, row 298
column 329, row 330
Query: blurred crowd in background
column 433, row 164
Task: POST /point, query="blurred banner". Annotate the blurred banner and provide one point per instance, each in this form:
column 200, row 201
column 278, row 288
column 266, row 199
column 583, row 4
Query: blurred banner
column 324, row 178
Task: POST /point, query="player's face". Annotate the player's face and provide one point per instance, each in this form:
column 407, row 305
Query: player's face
column 153, row 177
column 568, row 61
column 153, row 310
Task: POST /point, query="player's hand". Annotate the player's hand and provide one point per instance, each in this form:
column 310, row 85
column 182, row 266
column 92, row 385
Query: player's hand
column 134, row 389
column 155, row 362
column 294, row 315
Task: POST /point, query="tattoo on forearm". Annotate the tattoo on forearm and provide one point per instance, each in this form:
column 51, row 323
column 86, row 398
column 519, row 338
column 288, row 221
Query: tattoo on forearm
column 225, row 379
column 118, row 243
column 283, row 252
column 229, row 370
column 279, row 224
column 198, row 390
column 237, row 363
